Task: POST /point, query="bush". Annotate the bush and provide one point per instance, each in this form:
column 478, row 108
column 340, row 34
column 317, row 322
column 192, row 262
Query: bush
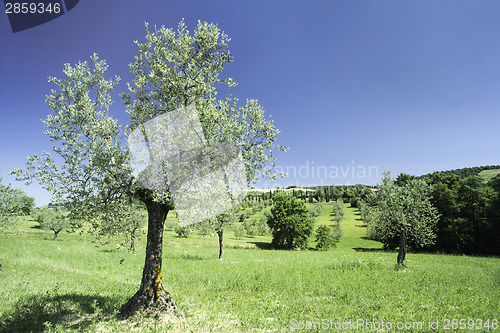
column 290, row 223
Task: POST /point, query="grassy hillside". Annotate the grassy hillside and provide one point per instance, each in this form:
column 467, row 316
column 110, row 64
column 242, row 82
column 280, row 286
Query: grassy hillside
column 465, row 172
column 72, row 285
column 487, row 175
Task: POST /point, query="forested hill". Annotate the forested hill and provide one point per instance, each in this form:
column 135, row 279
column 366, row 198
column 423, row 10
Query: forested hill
column 464, row 172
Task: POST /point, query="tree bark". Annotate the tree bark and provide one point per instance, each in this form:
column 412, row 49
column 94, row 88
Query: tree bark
column 402, row 248
column 220, row 232
column 151, row 296
column 56, row 233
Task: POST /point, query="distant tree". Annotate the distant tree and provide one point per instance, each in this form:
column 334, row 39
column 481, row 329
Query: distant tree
column 324, row 238
column 473, row 199
column 250, row 227
column 54, row 219
column 221, row 221
column 290, row 223
column 403, row 179
column 13, row 202
column 338, row 211
column 183, row 231
column 121, row 218
column 262, row 227
column 239, row 231
column 494, row 215
column 315, row 210
column 134, row 221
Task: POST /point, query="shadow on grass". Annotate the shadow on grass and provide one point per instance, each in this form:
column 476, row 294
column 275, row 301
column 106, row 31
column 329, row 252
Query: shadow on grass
column 184, row 256
column 72, row 311
column 263, row 246
column 370, row 249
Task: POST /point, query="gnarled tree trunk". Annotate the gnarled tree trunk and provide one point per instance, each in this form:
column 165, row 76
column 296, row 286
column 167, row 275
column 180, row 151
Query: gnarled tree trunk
column 151, row 295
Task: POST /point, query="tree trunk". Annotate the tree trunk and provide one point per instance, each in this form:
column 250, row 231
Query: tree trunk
column 56, row 233
column 132, row 240
column 220, row 232
column 151, row 296
column 402, row 248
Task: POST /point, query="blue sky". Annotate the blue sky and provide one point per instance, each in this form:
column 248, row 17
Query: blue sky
column 356, row 87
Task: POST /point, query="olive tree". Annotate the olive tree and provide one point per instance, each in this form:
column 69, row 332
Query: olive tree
column 53, row 219
column 403, row 214
column 173, row 69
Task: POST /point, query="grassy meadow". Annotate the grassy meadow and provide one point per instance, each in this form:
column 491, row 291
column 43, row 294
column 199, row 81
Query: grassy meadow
column 72, row 285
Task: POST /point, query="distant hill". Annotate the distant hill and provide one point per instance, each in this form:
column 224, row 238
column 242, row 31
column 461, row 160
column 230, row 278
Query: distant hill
column 487, row 172
column 487, row 175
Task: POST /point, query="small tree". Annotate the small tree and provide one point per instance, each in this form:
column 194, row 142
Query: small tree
column 324, row 238
column 338, row 211
column 54, row 219
column 239, row 231
column 262, row 227
column 290, row 223
column 403, row 210
column 183, row 231
column 135, row 220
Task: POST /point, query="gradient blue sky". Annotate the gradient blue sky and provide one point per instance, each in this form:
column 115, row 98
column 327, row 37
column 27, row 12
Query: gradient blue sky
column 409, row 86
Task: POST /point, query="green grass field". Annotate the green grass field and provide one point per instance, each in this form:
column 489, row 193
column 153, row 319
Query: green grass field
column 70, row 285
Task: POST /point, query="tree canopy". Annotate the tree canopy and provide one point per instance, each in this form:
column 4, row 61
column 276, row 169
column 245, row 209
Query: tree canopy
column 173, row 69
column 407, row 208
column 290, row 223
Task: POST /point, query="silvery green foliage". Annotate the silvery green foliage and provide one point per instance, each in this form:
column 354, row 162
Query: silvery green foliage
column 90, row 166
column 338, row 211
column 405, row 208
column 175, row 69
column 169, row 153
column 53, row 219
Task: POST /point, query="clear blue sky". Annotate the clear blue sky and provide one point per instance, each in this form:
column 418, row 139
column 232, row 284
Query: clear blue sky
column 410, row 86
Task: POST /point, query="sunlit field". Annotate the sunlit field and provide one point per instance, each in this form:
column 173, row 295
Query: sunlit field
column 73, row 284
